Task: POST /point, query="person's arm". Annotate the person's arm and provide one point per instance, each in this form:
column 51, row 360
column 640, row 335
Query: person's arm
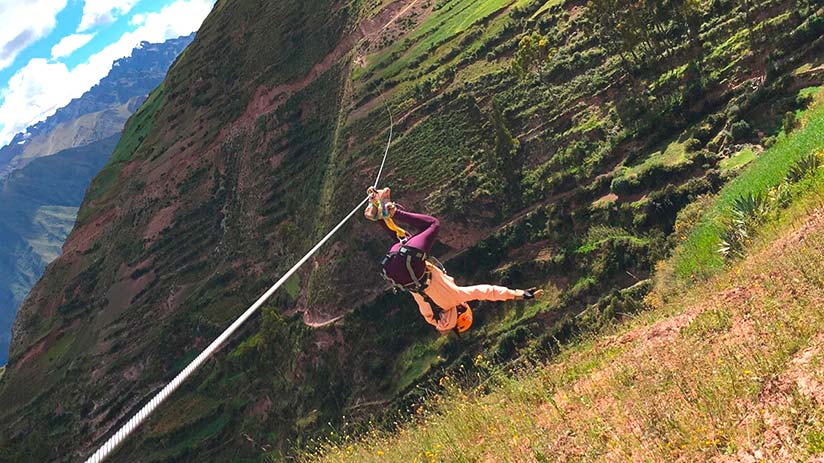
column 444, row 323
column 488, row 293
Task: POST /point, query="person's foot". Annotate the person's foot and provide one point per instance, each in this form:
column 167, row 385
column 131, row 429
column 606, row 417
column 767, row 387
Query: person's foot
column 532, row 293
column 380, row 204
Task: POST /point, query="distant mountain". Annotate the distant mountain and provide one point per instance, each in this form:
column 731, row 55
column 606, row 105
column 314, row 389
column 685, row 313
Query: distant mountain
column 45, row 171
column 100, row 112
column 39, row 204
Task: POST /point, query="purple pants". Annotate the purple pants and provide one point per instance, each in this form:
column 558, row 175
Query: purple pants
column 427, row 227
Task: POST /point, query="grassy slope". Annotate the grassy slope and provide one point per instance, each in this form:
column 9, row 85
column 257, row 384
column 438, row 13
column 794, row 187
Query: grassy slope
column 727, row 371
column 698, row 255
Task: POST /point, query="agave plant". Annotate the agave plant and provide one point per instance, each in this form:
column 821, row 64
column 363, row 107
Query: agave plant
column 747, row 212
column 804, row 167
column 750, row 208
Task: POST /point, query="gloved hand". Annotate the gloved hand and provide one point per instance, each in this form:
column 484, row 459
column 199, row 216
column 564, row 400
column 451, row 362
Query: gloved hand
column 531, row 293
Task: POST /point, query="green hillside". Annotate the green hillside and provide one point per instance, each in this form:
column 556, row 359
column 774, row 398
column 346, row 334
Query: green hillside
column 727, row 370
column 558, row 141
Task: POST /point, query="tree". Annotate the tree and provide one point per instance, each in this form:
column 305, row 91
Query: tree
column 532, row 51
column 504, row 161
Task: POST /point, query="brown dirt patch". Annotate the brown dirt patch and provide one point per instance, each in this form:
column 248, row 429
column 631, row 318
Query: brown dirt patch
column 38, row 348
column 44, row 344
column 390, row 24
column 161, row 220
column 82, row 237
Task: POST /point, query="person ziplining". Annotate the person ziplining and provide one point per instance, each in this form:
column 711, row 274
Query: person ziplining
column 407, row 267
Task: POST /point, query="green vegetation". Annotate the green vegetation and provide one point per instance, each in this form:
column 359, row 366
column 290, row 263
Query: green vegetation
column 736, row 161
column 557, row 154
column 707, row 377
column 140, row 125
column 673, row 155
column 415, row 362
column 698, row 256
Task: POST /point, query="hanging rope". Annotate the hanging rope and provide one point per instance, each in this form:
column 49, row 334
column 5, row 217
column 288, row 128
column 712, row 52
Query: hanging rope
column 164, row 393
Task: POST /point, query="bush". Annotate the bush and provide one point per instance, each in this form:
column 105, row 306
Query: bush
column 748, row 211
column 741, row 130
column 806, row 166
column 703, row 133
column 692, row 144
column 789, row 122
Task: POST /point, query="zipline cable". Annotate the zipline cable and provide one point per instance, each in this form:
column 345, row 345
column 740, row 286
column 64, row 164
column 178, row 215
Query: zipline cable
column 135, row 421
column 388, row 142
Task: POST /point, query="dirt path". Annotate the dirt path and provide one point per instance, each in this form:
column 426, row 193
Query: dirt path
column 321, row 324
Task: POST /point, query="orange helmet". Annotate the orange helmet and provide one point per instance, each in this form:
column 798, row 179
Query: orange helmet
column 464, row 318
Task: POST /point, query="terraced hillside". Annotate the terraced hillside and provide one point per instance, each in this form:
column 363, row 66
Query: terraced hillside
column 39, row 203
column 723, row 371
column 556, row 151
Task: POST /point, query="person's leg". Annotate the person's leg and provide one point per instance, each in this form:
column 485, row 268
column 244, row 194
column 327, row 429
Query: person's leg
column 428, row 226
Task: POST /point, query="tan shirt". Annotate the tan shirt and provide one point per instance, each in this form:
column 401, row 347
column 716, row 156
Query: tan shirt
column 448, row 296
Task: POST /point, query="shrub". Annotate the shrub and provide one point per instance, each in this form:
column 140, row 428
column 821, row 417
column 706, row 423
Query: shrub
column 741, row 130
column 703, row 133
column 692, row 144
column 748, row 211
column 789, row 122
column 804, row 167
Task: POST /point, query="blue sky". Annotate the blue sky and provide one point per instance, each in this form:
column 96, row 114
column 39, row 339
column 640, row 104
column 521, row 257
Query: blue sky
column 54, row 50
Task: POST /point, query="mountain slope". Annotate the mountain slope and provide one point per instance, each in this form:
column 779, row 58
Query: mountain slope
column 723, row 371
column 100, row 112
column 39, row 206
column 553, row 155
column 728, row 373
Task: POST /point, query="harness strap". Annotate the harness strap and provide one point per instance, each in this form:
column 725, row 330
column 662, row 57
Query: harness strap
column 399, row 232
column 411, row 271
column 436, row 309
column 418, row 285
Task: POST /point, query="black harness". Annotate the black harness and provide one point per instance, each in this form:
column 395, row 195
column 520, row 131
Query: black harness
column 418, row 284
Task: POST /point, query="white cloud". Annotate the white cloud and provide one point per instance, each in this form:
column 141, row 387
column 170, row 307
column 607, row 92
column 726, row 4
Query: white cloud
column 25, row 22
column 38, row 89
column 138, row 19
column 69, row 44
column 100, row 12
